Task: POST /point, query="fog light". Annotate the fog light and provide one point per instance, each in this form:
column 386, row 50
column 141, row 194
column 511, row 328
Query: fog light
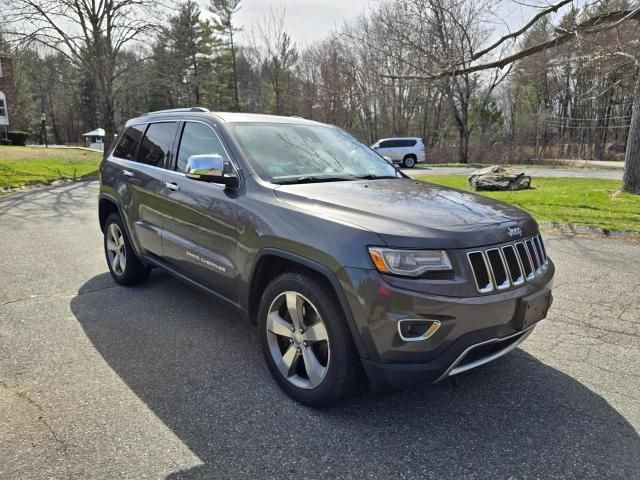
column 416, row 330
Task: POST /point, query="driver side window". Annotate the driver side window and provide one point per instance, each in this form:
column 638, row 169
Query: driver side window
column 197, row 139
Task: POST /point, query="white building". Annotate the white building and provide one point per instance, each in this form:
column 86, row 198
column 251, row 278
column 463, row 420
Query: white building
column 95, row 138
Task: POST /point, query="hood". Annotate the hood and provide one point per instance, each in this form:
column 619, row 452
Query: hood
column 412, row 214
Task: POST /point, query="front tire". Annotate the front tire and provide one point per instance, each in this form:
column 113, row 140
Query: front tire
column 123, row 263
column 305, row 340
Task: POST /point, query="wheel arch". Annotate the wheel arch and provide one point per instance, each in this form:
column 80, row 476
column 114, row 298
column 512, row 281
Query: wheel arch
column 271, row 262
column 107, row 205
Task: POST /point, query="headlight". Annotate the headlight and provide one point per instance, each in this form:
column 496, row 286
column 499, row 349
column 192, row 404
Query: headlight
column 412, row 263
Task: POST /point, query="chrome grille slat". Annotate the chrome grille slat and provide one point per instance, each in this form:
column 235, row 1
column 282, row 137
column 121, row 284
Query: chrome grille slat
column 517, row 277
column 480, row 271
column 544, row 250
column 498, row 269
column 509, row 265
column 536, row 244
column 532, row 253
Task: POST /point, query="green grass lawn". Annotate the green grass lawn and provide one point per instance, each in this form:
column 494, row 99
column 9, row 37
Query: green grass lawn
column 571, row 201
column 27, row 165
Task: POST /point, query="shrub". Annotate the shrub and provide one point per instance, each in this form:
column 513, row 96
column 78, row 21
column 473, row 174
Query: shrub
column 18, row 137
column 5, row 141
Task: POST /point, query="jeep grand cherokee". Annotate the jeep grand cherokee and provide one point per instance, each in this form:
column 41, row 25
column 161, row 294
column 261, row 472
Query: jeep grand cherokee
column 344, row 263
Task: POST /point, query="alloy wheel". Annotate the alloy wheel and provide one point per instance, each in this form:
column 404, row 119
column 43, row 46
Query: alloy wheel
column 116, row 249
column 298, row 340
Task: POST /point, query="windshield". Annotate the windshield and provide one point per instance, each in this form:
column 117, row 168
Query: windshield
column 287, row 153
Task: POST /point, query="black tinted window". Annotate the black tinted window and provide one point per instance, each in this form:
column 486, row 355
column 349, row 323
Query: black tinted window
column 386, row 144
column 156, row 144
column 407, row 143
column 197, row 139
column 128, row 143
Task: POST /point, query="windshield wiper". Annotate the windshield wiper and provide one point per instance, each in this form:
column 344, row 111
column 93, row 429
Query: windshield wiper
column 312, row 179
column 373, row 176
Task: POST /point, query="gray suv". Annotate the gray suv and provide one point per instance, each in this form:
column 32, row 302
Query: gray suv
column 346, row 265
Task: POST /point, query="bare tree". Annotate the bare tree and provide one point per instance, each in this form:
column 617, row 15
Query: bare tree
column 91, row 34
column 484, row 59
column 277, row 55
column 436, row 34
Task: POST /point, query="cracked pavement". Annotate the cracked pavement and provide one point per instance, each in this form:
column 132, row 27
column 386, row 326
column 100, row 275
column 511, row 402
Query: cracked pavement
column 160, row 381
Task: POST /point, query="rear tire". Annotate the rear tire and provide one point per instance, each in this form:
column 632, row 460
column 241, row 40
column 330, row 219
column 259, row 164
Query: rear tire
column 409, row 161
column 308, row 347
column 124, row 265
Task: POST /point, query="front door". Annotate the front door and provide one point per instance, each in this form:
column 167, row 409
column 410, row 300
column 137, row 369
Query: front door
column 200, row 222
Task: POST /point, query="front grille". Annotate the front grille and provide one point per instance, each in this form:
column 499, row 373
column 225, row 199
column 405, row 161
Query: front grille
column 510, row 265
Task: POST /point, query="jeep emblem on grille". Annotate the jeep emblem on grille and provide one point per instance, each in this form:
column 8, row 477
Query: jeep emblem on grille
column 514, row 232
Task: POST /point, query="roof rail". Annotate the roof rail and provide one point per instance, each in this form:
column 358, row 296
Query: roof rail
column 178, row 110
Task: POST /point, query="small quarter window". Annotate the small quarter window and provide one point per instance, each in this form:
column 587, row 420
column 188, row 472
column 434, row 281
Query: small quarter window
column 198, row 139
column 156, row 145
column 128, row 144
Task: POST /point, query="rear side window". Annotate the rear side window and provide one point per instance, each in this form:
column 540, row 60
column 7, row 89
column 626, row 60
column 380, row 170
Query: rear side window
column 198, row 139
column 407, row 143
column 128, row 144
column 156, row 145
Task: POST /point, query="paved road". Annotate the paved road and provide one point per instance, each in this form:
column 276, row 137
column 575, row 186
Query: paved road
column 100, row 381
column 611, row 174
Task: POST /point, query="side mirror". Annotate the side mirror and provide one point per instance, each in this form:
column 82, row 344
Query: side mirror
column 210, row 168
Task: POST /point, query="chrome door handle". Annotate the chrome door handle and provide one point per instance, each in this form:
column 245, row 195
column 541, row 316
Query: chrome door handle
column 128, row 173
column 171, row 186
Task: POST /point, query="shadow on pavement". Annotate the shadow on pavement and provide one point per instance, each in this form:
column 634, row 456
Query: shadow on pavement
column 44, row 202
column 196, row 363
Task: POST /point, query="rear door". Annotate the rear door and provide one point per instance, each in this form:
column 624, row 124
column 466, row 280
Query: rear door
column 408, row 147
column 200, row 228
column 140, row 158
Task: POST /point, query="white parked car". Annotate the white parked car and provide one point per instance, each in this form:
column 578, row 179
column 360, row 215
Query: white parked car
column 406, row 151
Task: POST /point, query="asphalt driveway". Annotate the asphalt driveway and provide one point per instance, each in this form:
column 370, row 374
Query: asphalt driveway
column 160, row 381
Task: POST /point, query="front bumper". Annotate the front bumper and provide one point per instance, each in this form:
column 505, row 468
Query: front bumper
column 473, row 331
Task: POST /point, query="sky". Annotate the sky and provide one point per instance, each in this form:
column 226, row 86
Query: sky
column 310, row 20
column 306, row 20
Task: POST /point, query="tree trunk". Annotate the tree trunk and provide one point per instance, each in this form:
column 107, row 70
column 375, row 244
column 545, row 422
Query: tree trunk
column 54, row 124
column 463, row 151
column 234, row 66
column 108, row 118
column 631, row 180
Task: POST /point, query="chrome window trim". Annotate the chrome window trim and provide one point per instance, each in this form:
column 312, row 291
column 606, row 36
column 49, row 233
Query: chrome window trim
column 175, row 172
